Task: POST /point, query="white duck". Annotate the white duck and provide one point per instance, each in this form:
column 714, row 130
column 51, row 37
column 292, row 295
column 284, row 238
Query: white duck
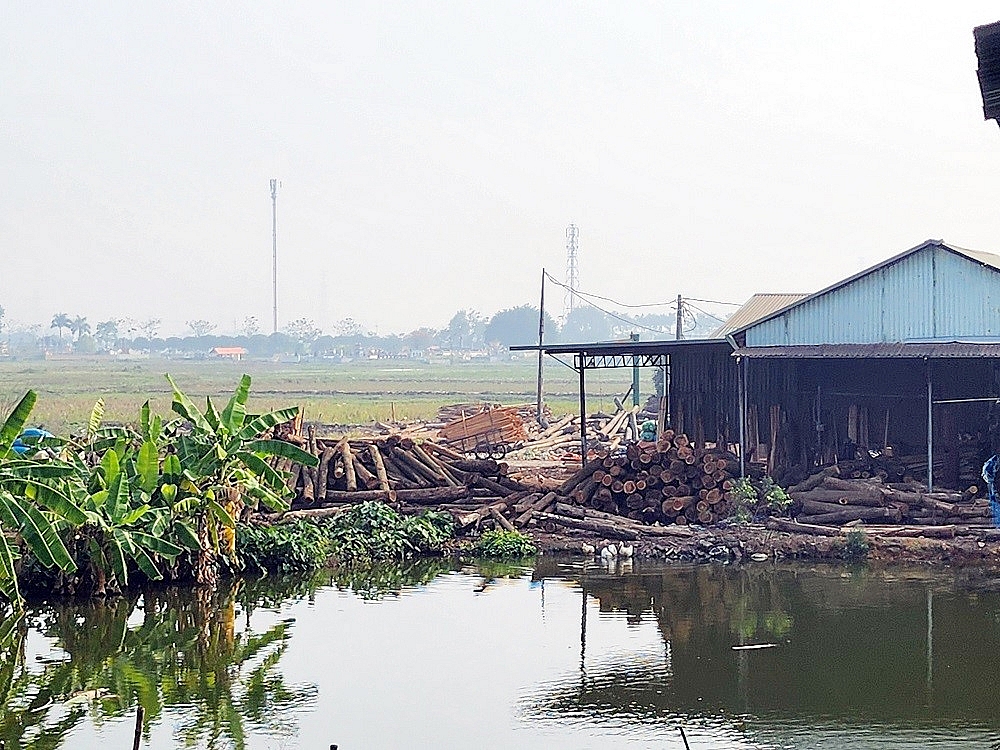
column 609, row 552
column 625, row 550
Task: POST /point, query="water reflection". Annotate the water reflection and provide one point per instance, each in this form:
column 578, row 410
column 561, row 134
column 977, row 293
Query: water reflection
column 842, row 648
column 563, row 655
column 178, row 648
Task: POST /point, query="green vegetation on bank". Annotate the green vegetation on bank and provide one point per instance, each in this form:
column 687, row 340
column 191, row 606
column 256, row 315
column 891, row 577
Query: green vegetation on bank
column 156, row 500
column 369, row 532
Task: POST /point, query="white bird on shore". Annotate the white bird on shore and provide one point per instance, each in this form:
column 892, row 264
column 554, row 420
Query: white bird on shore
column 589, row 549
column 609, row 552
column 625, row 550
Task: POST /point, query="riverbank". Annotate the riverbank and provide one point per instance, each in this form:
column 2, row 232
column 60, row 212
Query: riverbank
column 757, row 542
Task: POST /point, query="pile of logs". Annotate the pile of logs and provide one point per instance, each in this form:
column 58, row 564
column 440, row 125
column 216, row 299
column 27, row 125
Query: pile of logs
column 669, row 482
column 393, row 469
column 826, row 499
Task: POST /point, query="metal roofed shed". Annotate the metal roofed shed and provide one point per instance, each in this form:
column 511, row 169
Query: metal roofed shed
column 700, row 382
column 757, row 307
column 904, row 354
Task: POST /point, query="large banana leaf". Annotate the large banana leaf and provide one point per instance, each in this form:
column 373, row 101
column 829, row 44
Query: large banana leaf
column 235, row 412
column 57, row 502
column 16, row 420
column 185, row 407
column 147, row 466
column 282, row 449
column 8, row 575
column 117, row 503
column 261, row 424
column 96, row 417
column 212, row 415
column 40, row 535
column 264, row 472
column 156, row 544
column 269, row 499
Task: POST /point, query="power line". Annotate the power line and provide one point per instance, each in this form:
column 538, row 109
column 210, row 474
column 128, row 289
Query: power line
column 581, row 294
column 714, row 301
column 606, row 312
column 703, row 312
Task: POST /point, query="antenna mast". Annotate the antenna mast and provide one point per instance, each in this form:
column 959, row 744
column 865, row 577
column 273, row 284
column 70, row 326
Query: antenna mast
column 572, row 269
column 274, row 248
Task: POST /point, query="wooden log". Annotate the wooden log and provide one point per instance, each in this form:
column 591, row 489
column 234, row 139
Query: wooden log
column 360, row 496
column 484, row 467
column 464, row 520
column 403, row 457
column 857, row 513
column 475, row 480
column 348, row 459
column 793, row 527
column 323, row 470
column 383, row 478
column 311, row 513
column 499, row 518
column 444, row 451
column 308, row 484
column 543, row 503
column 604, row 528
column 365, row 478
column 400, row 470
column 839, row 497
column 434, row 465
column 816, row 479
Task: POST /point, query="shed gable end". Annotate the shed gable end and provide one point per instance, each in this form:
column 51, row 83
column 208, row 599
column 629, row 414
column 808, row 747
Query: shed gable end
column 932, row 293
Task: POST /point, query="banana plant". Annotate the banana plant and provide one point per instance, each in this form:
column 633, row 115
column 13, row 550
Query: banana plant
column 34, row 505
column 221, row 461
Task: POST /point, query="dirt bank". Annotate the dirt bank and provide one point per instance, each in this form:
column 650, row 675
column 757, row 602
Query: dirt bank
column 734, row 544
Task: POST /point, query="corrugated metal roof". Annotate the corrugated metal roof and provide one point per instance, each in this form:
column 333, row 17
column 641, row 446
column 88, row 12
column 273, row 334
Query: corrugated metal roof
column 915, row 350
column 930, row 292
column 757, row 307
column 605, row 348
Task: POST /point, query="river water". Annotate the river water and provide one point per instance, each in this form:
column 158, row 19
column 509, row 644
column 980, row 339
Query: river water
column 560, row 655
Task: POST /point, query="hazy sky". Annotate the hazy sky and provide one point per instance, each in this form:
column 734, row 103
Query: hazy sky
column 432, row 154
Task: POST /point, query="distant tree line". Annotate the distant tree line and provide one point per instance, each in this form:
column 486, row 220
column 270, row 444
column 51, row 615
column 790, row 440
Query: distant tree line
column 468, row 331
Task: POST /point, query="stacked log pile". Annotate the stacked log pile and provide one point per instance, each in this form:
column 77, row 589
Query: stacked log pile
column 393, row 469
column 667, row 483
column 826, row 501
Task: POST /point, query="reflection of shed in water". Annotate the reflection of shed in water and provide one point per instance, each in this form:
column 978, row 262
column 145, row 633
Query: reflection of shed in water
column 866, row 646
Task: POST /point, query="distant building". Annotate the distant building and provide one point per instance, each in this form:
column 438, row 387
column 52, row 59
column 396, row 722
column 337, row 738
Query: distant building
column 229, row 352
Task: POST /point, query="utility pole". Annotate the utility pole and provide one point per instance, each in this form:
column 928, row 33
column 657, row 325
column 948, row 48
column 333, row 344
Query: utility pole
column 541, row 331
column 274, row 248
column 679, row 334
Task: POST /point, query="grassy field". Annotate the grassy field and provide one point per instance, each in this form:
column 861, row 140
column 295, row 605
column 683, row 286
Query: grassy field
column 353, row 393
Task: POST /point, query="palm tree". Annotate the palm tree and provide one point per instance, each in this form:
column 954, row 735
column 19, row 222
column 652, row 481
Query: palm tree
column 60, row 321
column 107, row 333
column 79, row 326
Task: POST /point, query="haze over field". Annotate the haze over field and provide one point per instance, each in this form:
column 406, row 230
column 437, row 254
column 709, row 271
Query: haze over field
column 432, row 154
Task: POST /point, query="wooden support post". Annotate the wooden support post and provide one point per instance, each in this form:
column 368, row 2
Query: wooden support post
column 583, row 410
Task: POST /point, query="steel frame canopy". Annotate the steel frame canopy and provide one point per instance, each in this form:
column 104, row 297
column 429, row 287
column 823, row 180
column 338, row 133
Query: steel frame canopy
column 606, row 355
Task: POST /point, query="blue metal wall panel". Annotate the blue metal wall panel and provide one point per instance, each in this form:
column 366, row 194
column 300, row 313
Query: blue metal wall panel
column 931, row 294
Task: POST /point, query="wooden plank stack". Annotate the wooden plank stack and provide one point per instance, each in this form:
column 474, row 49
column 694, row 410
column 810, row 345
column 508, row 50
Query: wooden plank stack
column 492, row 425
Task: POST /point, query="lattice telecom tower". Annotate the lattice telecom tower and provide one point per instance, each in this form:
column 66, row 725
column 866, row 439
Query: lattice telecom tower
column 572, row 269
